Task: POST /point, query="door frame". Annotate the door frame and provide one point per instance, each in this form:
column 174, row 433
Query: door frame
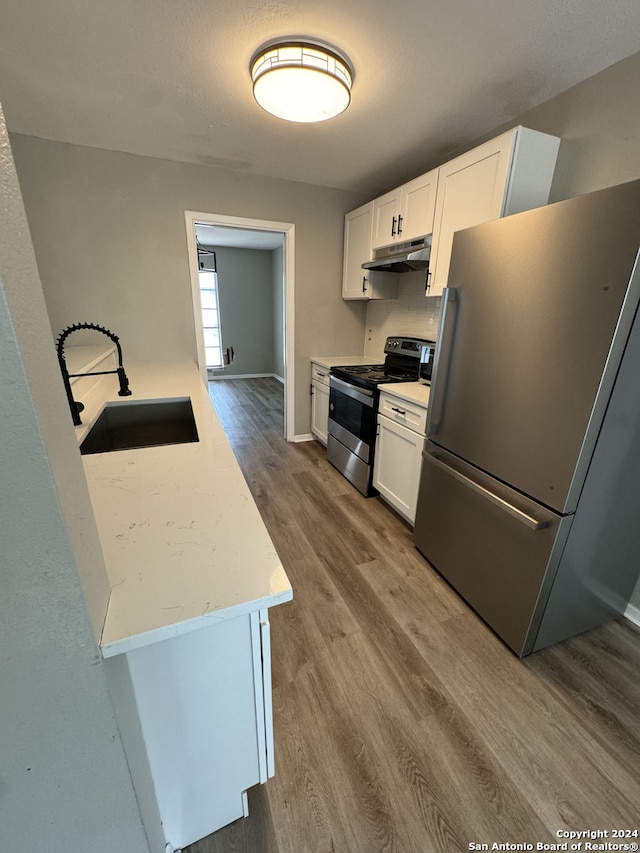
column 287, row 229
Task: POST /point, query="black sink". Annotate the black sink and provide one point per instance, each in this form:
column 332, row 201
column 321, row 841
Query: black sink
column 144, row 423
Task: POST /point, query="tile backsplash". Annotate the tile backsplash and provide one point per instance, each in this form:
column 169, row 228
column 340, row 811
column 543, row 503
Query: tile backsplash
column 411, row 314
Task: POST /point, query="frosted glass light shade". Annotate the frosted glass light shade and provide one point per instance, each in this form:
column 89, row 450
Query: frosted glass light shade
column 301, row 81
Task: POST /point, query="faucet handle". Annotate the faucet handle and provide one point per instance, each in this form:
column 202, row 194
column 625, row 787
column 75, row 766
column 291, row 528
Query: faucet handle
column 124, row 383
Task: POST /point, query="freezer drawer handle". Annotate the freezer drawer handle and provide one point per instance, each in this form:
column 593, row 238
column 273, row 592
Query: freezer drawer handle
column 529, row 520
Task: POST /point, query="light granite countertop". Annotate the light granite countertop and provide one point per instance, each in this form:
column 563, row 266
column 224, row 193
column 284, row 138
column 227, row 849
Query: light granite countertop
column 182, row 538
column 330, row 361
column 412, row 392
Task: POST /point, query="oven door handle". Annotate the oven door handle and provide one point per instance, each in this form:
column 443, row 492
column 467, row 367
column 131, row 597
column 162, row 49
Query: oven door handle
column 363, row 395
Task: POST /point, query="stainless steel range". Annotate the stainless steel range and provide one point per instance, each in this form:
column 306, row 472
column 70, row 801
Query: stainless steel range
column 353, row 405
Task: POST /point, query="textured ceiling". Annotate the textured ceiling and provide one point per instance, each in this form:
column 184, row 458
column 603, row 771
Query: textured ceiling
column 169, row 78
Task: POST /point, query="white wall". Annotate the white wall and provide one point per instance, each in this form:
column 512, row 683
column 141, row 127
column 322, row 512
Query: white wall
column 110, row 239
column 64, row 781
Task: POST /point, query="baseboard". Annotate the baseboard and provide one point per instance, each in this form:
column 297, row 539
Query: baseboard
column 244, row 376
column 305, row 437
column 279, row 378
column 632, row 613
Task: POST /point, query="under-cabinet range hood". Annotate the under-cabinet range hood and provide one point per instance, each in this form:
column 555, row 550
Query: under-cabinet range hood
column 402, row 257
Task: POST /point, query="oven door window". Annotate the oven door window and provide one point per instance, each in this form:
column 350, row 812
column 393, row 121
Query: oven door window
column 353, row 415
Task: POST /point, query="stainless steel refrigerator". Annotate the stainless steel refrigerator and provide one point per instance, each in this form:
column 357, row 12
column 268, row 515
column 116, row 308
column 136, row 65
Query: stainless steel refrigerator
column 529, row 501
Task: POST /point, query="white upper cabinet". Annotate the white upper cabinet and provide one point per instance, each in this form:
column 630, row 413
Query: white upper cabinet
column 506, row 175
column 406, row 212
column 386, row 210
column 356, row 282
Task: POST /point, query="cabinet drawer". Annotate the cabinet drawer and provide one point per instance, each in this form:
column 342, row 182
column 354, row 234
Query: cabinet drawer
column 319, row 373
column 410, row 415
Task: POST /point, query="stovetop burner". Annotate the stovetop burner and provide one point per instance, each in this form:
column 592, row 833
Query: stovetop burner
column 402, row 364
column 364, row 368
column 371, row 375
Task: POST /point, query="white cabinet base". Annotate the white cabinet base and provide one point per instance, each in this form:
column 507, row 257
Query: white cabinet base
column 398, row 460
column 320, row 411
column 397, row 466
column 195, row 716
column 320, row 401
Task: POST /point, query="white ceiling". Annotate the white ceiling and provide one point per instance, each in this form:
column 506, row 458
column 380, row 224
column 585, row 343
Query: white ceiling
column 169, row 78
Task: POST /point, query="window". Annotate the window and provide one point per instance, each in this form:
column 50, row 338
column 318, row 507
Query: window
column 208, row 278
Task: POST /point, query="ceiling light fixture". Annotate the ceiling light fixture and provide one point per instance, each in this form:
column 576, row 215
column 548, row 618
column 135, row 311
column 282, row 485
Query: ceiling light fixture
column 301, row 80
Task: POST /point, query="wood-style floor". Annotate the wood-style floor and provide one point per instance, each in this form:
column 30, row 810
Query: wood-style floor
column 402, row 723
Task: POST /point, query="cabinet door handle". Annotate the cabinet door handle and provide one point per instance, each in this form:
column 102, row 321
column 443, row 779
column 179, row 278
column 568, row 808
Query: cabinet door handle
column 399, row 224
column 399, row 411
column 393, row 227
column 427, row 284
column 364, row 284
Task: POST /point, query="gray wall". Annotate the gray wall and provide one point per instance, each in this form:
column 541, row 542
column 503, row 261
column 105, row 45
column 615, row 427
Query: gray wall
column 110, row 240
column 277, row 275
column 245, row 295
column 64, row 781
column 599, row 124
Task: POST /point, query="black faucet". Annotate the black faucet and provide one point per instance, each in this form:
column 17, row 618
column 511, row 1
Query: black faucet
column 124, row 391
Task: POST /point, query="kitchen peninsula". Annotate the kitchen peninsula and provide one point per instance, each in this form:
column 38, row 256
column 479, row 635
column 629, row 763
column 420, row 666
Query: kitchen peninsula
column 192, row 572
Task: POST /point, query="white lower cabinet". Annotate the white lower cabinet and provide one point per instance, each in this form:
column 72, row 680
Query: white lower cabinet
column 195, row 714
column 398, row 459
column 319, row 401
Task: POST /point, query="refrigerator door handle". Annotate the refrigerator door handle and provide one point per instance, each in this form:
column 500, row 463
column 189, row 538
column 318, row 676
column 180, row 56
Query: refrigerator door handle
column 441, row 359
column 525, row 518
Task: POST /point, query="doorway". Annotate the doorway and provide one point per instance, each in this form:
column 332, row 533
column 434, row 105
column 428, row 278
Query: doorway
column 241, row 233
